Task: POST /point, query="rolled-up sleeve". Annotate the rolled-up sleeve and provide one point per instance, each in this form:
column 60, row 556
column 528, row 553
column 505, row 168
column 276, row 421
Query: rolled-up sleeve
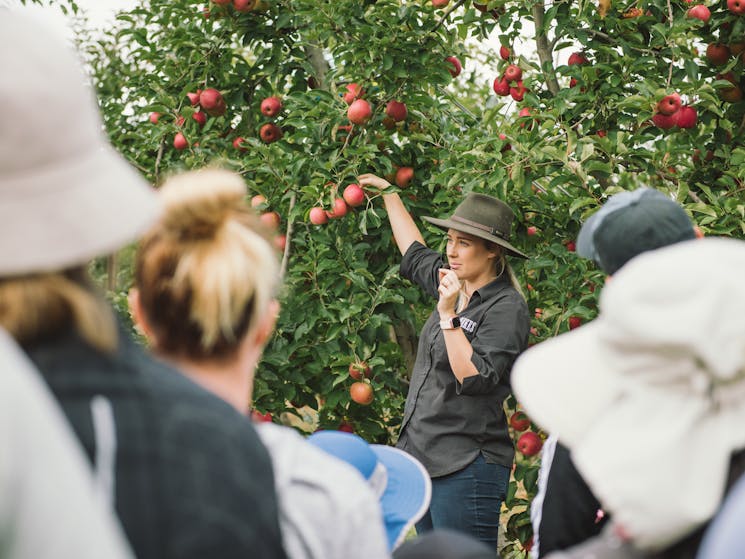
column 501, row 336
column 420, row 265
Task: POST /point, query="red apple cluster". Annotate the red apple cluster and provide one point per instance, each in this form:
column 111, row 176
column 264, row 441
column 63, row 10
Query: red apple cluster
column 352, row 196
column 270, row 132
column 510, row 83
column 671, row 113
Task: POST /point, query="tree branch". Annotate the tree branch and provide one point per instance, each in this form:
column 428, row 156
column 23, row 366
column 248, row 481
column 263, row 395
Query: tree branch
column 545, row 54
column 288, row 237
column 446, row 14
column 317, row 60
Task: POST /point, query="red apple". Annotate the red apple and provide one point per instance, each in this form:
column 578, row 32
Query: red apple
column 270, row 219
column 572, row 82
column 518, row 92
column 318, row 216
column 524, row 113
column 359, row 112
column 362, row 393
column 513, row 73
column 280, row 242
column 193, row 98
column 154, row 117
column 359, row 370
column 577, row 58
column 687, row 117
column 258, row 200
column 354, row 195
column 574, row 322
column 669, row 104
column 519, row 421
column 531, row 230
column 717, row 54
column 456, row 66
column 270, row 132
column 180, row 120
column 244, row 5
column 666, row 122
column 504, row 52
column 271, row 106
column 529, row 443
column 730, row 94
column 210, row 99
column 699, row 12
column 571, row 246
column 346, row 427
column 238, row 144
column 501, row 86
column 354, row 91
column 259, row 417
column 507, row 146
column 339, row 209
column 180, row 141
column 396, row 110
column 440, row 3
column 602, row 133
column 538, row 312
column 200, row 118
column 736, row 6
column 404, row 175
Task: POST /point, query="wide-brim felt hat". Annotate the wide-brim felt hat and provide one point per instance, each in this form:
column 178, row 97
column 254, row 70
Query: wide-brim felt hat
column 66, row 195
column 482, row 216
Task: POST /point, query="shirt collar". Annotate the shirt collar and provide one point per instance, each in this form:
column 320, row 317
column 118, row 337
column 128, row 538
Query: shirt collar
column 491, row 289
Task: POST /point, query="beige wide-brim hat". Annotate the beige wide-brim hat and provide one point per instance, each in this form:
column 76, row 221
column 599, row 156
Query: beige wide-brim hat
column 650, row 396
column 483, row 216
column 65, row 195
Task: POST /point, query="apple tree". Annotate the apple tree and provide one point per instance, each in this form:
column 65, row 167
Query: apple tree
column 581, row 100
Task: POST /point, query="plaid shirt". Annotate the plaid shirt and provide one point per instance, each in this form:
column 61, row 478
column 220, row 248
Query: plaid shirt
column 189, row 475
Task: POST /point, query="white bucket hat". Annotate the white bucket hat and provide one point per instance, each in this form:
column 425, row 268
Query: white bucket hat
column 65, row 194
column 650, row 396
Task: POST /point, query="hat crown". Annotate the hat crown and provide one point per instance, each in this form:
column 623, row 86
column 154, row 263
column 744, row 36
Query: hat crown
column 487, row 213
column 53, row 114
column 675, row 314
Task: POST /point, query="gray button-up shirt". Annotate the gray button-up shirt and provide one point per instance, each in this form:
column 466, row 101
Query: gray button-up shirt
column 447, row 424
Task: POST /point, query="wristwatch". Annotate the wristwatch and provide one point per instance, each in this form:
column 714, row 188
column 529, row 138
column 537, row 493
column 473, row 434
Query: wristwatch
column 450, row 323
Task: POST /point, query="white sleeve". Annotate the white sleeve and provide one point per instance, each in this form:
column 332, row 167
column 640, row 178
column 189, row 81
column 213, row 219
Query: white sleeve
column 48, row 507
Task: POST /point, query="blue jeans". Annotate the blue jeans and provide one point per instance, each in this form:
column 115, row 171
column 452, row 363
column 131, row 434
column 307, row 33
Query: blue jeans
column 468, row 501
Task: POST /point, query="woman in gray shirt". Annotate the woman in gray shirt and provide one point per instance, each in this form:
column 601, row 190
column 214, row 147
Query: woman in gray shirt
column 454, row 422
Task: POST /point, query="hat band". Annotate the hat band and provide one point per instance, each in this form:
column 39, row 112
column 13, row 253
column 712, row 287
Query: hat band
column 477, row 225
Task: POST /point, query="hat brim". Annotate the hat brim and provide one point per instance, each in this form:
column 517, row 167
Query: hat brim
column 66, row 214
column 564, row 384
column 407, row 494
column 476, row 232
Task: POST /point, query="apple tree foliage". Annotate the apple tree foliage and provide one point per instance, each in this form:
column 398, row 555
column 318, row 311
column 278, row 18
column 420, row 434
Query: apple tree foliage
column 588, row 132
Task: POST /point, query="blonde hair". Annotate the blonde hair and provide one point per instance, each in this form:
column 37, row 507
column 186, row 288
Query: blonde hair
column 43, row 306
column 207, row 271
column 502, row 265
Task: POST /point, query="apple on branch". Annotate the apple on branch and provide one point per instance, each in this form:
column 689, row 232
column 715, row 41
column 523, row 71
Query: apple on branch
column 271, row 106
column 354, row 195
column 270, row 132
column 318, row 216
column 359, row 112
column 404, row 175
column 455, row 64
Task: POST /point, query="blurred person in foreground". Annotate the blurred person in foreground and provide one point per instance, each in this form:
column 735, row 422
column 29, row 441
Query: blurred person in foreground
column 49, row 507
column 205, row 280
column 454, row 420
column 649, row 398
column 186, row 473
column 564, row 511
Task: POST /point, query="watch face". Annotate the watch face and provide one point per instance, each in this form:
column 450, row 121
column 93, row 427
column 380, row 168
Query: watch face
column 456, row 322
